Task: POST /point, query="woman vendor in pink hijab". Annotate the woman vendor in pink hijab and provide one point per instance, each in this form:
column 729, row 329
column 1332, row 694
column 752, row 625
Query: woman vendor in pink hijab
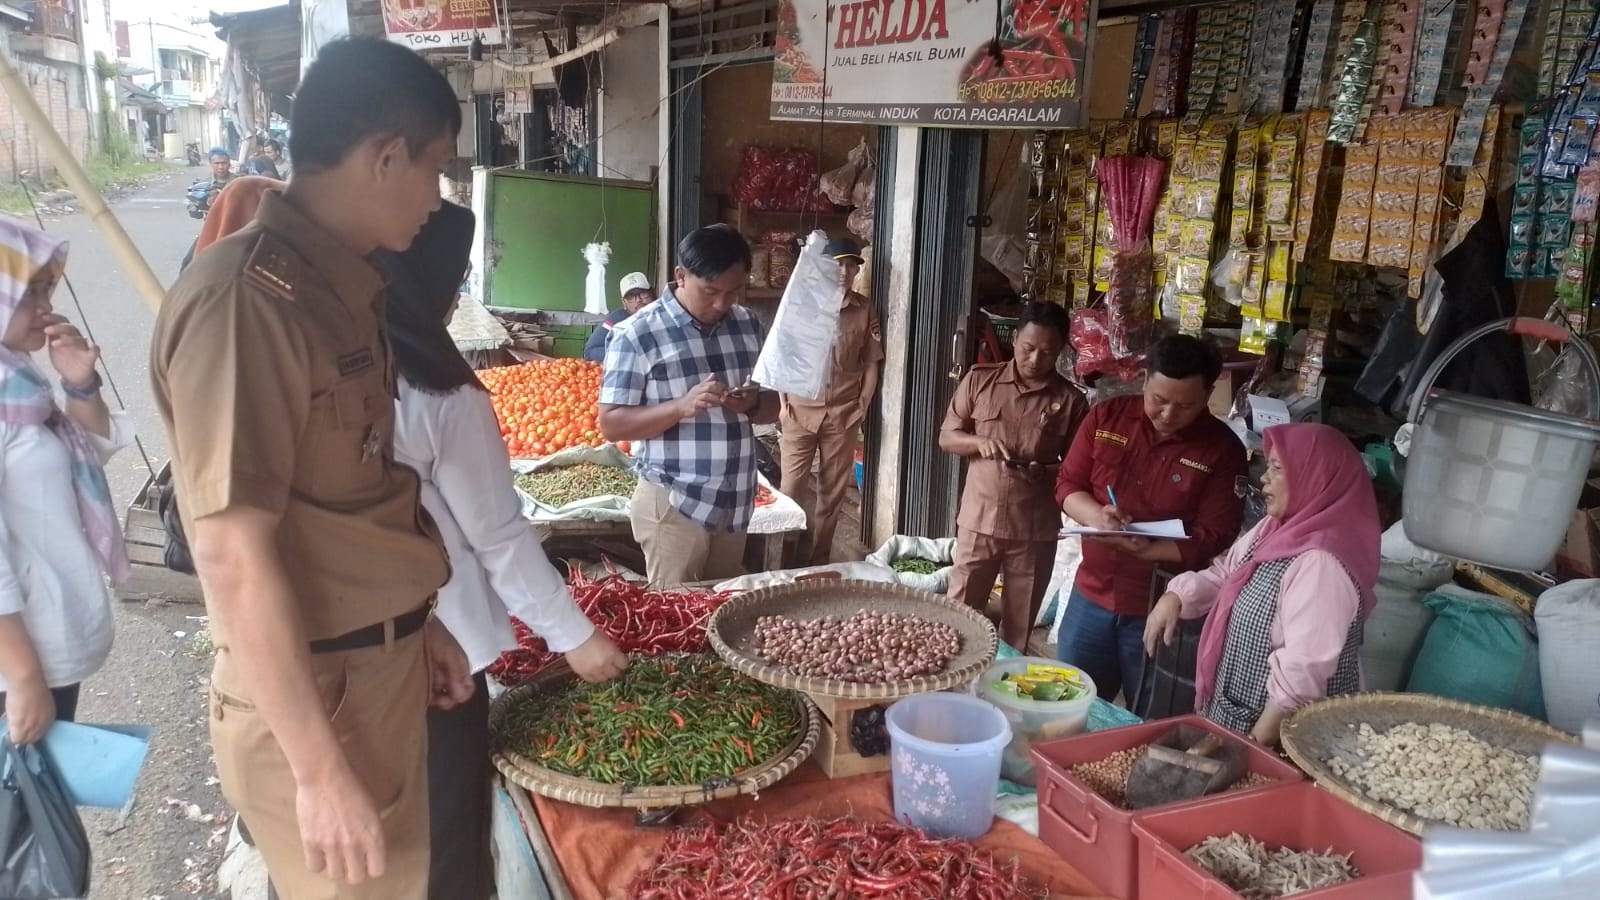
column 1284, row 607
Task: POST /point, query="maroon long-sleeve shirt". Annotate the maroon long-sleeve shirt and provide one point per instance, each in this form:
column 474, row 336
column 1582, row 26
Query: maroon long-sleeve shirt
column 1188, row 476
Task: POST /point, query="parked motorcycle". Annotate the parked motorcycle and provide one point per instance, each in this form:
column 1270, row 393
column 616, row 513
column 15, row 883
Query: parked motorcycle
column 199, row 197
column 192, row 151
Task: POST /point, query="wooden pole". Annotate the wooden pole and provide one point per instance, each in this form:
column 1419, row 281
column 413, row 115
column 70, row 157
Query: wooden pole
column 139, row 273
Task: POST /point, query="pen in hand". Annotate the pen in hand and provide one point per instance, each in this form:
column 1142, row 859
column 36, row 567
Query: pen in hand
column 1111, row 492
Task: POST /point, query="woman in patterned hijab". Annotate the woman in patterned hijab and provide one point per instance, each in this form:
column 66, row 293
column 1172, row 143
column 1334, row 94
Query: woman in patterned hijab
column 58, row 527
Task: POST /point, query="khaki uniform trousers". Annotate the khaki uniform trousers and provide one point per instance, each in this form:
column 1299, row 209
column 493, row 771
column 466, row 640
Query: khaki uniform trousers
column 809, row 432
column 377, row 698
column 1027, row 566
column 678, row 550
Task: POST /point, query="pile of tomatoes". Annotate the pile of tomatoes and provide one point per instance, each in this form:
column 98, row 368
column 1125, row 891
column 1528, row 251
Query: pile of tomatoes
column 546, row 406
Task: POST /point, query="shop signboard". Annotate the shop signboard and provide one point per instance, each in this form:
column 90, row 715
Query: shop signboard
column 438, row 24
column 933, row 62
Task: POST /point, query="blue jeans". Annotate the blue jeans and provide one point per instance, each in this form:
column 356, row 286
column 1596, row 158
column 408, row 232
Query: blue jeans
column 1106, row 646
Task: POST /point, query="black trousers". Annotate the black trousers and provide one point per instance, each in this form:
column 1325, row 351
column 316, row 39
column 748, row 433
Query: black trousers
column 66, row 702
column 459, row 799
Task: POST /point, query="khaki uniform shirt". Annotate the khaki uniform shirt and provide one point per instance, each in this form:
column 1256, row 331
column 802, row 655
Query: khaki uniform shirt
column 1035, row 425
column 857, row 348
column 274, row 380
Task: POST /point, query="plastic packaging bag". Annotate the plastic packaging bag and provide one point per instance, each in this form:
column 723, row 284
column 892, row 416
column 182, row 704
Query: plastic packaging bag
column 798, row 355
column 941, row 551
column 1479, row 649
column 1091, row 342
column 1568, row 616
column 839, row 184
column 594, row 285
column 44, row 846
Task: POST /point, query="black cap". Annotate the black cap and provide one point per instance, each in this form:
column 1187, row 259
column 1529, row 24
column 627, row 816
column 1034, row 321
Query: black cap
column 843, row 248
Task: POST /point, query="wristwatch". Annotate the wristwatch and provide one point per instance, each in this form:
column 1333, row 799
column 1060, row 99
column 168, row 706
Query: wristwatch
column 84, row 393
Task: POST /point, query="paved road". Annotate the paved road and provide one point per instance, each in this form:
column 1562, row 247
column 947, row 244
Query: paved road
column 170, row 843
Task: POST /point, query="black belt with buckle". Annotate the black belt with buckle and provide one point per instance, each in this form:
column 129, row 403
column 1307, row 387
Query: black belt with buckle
column 373, row 635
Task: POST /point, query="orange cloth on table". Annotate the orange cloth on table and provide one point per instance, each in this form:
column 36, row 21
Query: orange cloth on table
column 235, row 207
column 600, row 850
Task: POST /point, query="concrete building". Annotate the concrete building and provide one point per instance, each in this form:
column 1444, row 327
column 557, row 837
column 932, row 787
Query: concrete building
column 44, row 39
column 176, row 56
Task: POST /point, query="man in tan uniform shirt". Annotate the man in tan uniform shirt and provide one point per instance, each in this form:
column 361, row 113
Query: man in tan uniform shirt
column 275, row 383
column 1014, row 421
column 829, row 424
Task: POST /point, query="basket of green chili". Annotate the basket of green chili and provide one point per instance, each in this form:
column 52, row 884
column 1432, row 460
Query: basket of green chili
column 675, row 730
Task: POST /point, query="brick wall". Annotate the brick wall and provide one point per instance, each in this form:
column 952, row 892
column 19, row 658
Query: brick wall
column 58, row 89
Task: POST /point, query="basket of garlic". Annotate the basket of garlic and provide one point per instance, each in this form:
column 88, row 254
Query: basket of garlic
column 1416, row 759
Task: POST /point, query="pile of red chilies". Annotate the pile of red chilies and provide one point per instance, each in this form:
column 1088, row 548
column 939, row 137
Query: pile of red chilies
column 639, row 620
column 752, row 859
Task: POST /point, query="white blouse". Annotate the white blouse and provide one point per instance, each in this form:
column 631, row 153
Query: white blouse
column 498, row 567
column 49, row 573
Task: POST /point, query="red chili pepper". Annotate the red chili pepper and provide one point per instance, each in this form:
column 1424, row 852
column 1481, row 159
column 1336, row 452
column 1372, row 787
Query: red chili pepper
column 676, row 717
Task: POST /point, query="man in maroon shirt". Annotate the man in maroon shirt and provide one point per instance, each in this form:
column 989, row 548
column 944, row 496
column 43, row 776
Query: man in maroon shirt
column 1160, row 456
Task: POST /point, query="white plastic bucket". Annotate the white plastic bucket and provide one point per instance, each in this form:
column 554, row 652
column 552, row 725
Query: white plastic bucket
column 945, row 762
column 1491, row 482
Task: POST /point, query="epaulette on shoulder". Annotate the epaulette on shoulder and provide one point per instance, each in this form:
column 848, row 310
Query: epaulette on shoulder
column 273, row 266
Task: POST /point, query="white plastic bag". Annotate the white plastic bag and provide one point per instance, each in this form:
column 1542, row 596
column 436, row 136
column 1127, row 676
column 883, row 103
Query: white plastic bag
column 798, row 355
column 1568, row 617
column 850, row 571
column 589, row 509
column 594, row 285
column 936, row 550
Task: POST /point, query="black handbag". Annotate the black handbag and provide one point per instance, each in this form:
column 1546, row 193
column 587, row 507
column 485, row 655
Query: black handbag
column 176, row 555
column 44, row 845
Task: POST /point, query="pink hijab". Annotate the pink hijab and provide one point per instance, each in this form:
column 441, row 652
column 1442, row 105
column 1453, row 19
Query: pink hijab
column 1331, row 507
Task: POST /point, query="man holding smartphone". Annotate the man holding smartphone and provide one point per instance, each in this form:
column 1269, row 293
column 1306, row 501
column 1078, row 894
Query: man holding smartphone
column 677, row 385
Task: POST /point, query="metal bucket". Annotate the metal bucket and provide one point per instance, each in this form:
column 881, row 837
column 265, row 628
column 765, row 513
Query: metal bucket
column 1491, row 482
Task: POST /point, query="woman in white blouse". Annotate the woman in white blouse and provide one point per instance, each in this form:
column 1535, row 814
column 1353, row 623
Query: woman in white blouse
column 58, row 528
column 447, row 431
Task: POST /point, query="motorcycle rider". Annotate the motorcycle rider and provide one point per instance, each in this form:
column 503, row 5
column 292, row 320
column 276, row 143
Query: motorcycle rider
column 221, row 167
column 201, row 194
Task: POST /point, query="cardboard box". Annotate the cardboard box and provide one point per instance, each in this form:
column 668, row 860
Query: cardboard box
column 1579, row 555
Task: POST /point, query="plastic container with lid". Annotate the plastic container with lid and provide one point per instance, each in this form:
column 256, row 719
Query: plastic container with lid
column 1033, row 721
column 945, row 762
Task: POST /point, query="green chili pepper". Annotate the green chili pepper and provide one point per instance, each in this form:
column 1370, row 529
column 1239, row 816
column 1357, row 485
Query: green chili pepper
column 560, row 485
column 915, row 565
column 684, row 720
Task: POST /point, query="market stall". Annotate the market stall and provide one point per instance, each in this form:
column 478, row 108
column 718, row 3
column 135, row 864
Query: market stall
column 575, row 486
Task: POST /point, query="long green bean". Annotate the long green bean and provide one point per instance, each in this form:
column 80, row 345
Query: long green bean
column 669, row 720
column 559, row 485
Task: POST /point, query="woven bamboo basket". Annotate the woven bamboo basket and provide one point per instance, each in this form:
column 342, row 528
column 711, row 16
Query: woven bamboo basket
column 546, row 782
column 732, row 633
column 1325, row 730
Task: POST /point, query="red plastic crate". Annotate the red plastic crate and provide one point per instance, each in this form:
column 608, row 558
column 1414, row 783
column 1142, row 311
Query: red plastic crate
column 1097, row 837
column 1302, row 816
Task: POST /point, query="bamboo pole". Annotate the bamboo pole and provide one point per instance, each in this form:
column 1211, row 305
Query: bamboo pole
column 139, row 273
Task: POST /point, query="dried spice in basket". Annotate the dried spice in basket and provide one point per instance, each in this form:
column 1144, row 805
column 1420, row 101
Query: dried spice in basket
column 672, row 720
column 753, row 857
column 867, row 647
column 639, row 620
column 556, row 486
column 1257, row 873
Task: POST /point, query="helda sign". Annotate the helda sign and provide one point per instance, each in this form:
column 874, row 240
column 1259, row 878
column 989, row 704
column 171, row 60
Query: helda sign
column 934, row 62
column 436, row 24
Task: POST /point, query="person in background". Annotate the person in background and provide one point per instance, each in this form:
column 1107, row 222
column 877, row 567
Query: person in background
column 667, row 387
column 221, row 167
column 258, row 161
column 636, row 295
column 59, row 536
column 319, row 566
column 1285, row 606
column 234, row 207
column 446, row 430
column 828, row 426
column 279, row 161
column 1014, row 422
column 1160, row 455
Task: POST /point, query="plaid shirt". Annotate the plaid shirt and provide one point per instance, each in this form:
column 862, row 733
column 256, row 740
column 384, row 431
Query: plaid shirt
column 708, row 463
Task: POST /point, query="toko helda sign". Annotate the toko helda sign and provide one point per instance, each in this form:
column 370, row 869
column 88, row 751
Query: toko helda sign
column 933, row 62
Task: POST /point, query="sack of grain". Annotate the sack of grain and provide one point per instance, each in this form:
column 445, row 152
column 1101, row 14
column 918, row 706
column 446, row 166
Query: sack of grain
column 1480, row 649
column 939, row 551
column 1394, row 632
column 1568, row 616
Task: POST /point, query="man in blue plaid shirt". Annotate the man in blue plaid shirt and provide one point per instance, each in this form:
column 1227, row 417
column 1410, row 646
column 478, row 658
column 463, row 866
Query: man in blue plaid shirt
column 667, row 388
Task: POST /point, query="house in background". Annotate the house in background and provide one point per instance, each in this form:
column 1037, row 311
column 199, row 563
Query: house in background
column 46, row 41
column 177, row 58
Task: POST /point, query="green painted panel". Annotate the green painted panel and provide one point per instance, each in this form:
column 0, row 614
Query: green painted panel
column 539, row 224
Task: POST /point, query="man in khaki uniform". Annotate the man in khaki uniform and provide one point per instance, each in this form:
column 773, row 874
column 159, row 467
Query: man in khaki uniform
column 1014, row 421
column 829, row 424
column 275, row 384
